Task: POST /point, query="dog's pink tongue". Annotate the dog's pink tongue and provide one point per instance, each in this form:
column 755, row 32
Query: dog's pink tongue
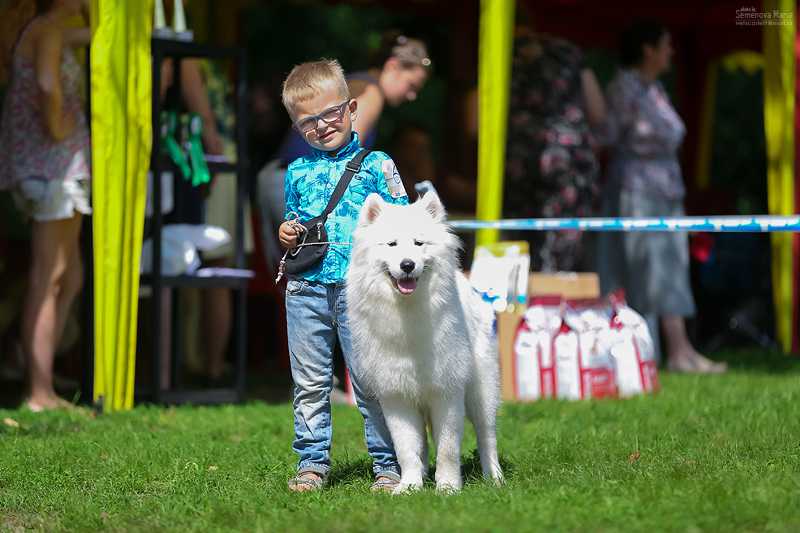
column 406, row 286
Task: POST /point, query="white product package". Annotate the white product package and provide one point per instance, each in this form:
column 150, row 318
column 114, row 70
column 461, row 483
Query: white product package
column 597, row 349
column 535, row 371
column 500, row 274
column 633, row 353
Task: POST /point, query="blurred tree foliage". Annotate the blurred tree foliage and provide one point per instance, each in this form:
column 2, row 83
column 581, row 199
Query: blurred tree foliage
column 605, row 63
column 738, row 160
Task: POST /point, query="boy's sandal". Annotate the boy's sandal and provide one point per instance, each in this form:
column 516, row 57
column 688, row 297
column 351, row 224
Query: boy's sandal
column 307, row 480
column 385, row 482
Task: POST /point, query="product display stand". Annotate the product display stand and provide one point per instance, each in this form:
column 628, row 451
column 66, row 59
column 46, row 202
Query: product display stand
column 236, row 278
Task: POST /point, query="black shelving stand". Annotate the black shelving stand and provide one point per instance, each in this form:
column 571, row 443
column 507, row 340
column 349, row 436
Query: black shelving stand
column 178, row 50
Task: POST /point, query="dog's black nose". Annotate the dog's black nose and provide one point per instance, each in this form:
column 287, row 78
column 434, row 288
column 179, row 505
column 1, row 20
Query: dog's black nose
column 407, row 265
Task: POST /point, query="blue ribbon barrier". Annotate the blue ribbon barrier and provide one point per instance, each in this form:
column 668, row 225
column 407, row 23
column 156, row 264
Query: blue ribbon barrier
column 713, row 224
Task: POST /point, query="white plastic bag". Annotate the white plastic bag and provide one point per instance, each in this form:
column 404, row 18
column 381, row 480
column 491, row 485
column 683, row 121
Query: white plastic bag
column 177, row 257
column 179, row 246
column 204, row 237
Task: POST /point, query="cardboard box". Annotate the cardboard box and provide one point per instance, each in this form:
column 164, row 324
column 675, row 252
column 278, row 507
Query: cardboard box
column 569, row 285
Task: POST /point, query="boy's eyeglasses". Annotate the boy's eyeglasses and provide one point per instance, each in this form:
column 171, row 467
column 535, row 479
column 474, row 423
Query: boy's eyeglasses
column 329, row 116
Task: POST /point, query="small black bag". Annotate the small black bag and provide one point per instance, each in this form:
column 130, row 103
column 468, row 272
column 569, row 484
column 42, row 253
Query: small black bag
column 307, row 253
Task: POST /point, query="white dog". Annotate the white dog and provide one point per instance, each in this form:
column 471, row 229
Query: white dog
column 424, row 339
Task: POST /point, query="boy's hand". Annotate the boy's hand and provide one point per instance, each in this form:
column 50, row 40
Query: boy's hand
column 287, row 234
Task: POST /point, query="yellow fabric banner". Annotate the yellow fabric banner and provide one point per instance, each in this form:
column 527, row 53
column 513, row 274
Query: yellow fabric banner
column 494, row 80
column 779, row 88
column 121, row 141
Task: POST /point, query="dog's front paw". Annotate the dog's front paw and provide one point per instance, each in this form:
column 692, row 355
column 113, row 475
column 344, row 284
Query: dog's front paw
column 406, row 487
column 448, row 486
column 496, row 477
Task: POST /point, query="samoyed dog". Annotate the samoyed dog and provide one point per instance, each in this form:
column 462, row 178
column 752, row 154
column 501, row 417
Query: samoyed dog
column 424, row 339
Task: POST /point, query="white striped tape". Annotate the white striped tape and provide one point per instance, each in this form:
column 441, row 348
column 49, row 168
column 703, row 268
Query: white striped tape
column 714, row 224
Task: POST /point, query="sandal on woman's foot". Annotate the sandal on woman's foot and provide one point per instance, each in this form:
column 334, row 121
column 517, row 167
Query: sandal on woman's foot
column 385, row 482
column 306, row 481
column 34, row 407
column 696, row 365
column 707, row 366
column 54, row 403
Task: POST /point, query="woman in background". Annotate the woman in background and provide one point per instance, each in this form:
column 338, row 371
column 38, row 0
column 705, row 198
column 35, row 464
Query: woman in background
column 645, row 132
column 551, row 169
column 45, row 162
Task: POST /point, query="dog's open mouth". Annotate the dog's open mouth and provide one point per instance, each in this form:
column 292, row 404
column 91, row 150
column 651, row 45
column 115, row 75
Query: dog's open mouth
column 404, row 285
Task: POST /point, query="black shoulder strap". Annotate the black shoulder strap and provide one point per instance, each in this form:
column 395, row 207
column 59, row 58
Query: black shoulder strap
column 351, row 169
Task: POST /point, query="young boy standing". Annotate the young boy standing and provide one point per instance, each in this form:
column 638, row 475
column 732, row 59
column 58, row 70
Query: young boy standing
column 317, row 99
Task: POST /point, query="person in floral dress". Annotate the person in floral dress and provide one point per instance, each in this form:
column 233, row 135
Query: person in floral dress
column 551, row 170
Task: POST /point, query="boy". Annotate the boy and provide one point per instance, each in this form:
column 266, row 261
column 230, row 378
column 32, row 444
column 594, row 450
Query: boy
column 318, row 101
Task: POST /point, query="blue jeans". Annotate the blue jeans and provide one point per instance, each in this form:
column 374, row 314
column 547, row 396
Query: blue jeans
column 316, row 317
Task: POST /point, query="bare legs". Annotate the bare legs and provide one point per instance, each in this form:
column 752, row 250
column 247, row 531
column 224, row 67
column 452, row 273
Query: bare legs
column 681, row 355
column 209, row 332
column 55, row 279
column 217, row 313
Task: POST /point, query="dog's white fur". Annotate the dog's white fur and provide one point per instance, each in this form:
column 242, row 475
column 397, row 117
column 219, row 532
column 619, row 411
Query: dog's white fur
column 423, row 339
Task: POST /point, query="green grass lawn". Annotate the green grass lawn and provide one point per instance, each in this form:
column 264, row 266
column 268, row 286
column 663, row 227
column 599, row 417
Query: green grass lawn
column 712, row 453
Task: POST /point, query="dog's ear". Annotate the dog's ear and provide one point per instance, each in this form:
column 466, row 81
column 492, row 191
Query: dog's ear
column 433, row 206
column 373, row 206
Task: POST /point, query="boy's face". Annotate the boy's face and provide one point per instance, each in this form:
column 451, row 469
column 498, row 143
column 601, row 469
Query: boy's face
column 325, row 120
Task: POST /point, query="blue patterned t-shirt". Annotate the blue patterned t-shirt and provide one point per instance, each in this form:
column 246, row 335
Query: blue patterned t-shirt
column 310, row 182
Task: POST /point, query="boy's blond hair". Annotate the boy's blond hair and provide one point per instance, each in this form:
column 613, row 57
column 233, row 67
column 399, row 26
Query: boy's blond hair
column 308, row 80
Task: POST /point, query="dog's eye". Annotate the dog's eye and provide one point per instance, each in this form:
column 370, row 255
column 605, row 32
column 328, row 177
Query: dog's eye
column 391, row 243
column 418, row 242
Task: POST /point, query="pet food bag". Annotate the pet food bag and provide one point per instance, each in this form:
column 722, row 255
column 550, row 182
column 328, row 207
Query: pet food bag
column 582, row 353
column 633, row 352
column 580, row 350
column 534, row 366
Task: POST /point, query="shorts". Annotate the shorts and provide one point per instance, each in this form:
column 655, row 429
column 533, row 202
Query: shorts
column 58, row 199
